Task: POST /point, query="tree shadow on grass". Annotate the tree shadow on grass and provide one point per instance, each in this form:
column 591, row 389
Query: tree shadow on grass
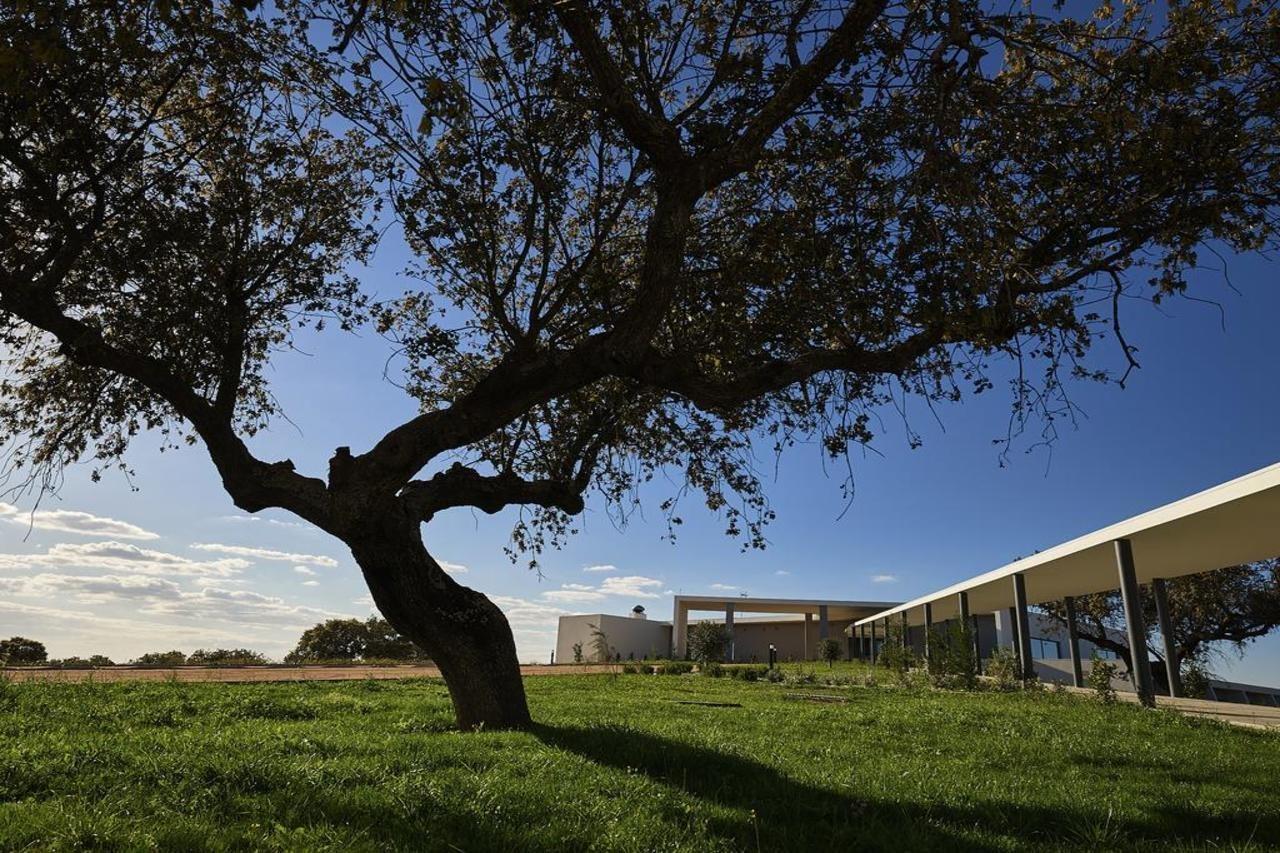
column 767, row 809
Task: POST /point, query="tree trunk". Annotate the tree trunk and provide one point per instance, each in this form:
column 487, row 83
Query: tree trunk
column 465, row 633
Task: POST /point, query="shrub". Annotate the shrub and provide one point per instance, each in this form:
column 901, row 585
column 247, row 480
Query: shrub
column 226, row 657
column 714, row 669
column 1100, row 674
column 708, row 641
column 774, row 676
column 1195, row 679
column 951, row 659
column 895, row 656
column 748, row 672
column 172, row 658
column 1003, row 668
column 82, row 663
column 633, row 669
column 676, row 667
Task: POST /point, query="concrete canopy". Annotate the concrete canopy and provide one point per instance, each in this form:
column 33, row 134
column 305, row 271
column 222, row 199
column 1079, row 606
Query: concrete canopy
column 836, row 610
column 1232, row 523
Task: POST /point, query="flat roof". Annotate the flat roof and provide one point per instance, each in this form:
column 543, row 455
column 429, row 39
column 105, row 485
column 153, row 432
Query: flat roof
column 836, row 609
column 1231, row 523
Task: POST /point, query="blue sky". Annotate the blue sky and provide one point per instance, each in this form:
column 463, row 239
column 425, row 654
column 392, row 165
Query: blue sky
column 197, row 572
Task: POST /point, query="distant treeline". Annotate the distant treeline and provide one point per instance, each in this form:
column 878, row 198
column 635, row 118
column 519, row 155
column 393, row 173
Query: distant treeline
column 372, row 641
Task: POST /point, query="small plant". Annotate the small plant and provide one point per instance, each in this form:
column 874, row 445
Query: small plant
column 773, row 675
column 577, row 652
column 1100, row 674
column 712, row 669
column 1003, row 668
column 676, row 667
column 829, row 651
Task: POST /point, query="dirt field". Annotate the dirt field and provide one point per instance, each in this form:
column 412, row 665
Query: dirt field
column 265, row 673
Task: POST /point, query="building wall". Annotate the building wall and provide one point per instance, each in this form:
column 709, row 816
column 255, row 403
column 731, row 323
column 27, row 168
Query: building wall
column 752, row 639
column 628, row 637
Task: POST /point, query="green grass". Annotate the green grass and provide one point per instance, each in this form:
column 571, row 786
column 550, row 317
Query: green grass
column 619, row 763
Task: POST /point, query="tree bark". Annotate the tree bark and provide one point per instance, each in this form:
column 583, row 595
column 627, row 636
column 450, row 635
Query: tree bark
column 465, row 633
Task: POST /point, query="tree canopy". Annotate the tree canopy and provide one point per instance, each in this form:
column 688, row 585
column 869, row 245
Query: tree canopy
column 20, row 651
column 648, row 237
column 1210, row 613
column 353, row 639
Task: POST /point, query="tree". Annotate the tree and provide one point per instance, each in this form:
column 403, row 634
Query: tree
column 352, row 639
column 829, row 651
column 648, row 237
column 1232, row 607
column 600, row 644
column 384, row 642
column 19, row 651
column 708, row 641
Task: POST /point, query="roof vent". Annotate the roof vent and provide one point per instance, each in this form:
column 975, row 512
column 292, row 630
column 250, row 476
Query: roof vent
column 637, row 612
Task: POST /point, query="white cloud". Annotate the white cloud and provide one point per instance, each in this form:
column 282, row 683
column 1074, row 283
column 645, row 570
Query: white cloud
column 96, row 588
column 453, row 568
column 533, row 624
column 782, row 572
column 118, row 556
column 884, row 578
column 274, row 522
column 236, row 605
column 723, row 587
column 152, row 595
column 604, row 567
column 82, row 632
column 303, row 570
column 627, row 586
column 71, row 521
column 634, row 586
column 311, row 583
column 573, row 595
column 265, row 554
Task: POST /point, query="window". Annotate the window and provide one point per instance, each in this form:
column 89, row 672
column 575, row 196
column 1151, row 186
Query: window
column 1104, row 654
column 1043, row 649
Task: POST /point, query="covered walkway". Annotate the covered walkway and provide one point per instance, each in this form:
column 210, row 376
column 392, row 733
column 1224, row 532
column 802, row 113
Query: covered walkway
column 1232, row 523
column 824, row 612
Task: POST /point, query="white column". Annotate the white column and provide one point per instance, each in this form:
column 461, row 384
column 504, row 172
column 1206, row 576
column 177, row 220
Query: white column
column 679, row 630
column 728, row 626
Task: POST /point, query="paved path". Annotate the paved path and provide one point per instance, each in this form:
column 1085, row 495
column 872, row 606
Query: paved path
column 1253, row 716
column 238, row 674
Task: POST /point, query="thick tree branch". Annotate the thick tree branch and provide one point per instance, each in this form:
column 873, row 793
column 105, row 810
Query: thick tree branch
column 463, row 486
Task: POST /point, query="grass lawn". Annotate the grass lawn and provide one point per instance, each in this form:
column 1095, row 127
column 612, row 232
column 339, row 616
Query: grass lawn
column 620, row 763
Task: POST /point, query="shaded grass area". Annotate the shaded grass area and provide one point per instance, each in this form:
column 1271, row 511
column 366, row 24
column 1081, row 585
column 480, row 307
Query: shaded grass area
column 619, row 763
